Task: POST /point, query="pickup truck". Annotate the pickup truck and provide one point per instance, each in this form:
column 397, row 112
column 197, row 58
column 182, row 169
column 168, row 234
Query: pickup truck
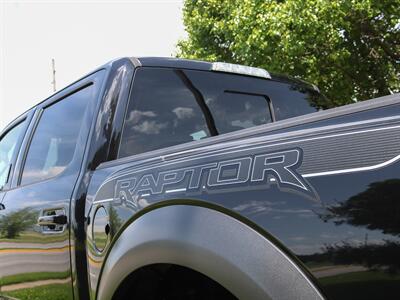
column 162, row 178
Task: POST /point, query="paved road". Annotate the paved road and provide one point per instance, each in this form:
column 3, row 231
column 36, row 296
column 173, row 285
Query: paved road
column 27, row 261
column 9, row 245
column 336, row 270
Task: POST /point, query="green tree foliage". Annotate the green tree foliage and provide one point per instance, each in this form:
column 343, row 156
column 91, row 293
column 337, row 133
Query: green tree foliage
column 376, row 208
column 12, row 224
column 115, row 221
column 349, row 48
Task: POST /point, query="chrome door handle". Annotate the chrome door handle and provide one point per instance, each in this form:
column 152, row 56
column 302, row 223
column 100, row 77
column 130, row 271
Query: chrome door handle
column 52, row 220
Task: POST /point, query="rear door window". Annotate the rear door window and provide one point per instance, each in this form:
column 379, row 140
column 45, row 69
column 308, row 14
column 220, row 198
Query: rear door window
column 55, row 138
column 162, row 112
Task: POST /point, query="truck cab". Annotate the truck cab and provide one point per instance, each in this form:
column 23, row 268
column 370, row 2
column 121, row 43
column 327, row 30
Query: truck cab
column 142, row 142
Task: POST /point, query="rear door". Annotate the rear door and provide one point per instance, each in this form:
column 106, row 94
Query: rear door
column 10, row 142
column 35, row 248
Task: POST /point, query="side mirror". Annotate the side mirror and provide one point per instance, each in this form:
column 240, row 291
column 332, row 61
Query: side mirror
column 2, row 206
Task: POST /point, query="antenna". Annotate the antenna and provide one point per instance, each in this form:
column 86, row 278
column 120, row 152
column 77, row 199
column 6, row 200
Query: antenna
column 53, row 64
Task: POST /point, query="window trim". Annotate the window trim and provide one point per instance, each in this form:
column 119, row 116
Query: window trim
column 200, row 102
column 114, row 140
column 37, row 117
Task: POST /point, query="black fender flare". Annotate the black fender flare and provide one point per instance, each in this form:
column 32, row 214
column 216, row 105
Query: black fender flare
column 212, row 243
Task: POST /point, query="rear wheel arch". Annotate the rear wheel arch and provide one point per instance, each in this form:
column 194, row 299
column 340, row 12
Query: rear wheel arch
column 209, row 242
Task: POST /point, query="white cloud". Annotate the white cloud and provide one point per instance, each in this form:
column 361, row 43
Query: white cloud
column 183, row 112
column 136, row 115
column 150, row 127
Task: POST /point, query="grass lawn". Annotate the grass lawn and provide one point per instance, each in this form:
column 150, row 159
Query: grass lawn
column 37, row 238
column 362, row 285
column 315, row 265
column 46, row 292
column 29, row 277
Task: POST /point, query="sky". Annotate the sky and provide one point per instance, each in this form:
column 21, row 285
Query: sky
column 80, row 36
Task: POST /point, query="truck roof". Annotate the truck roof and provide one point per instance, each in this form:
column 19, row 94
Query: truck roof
column 172, row 62
column 181, row 63
column 168, row 62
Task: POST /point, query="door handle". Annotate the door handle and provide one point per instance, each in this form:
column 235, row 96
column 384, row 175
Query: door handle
column 2, row 206
column 52, row 220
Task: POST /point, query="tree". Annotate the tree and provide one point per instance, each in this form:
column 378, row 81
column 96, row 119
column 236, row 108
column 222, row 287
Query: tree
column 376, row 208
column 349, row 48
column 13, row 224
column 115, row 221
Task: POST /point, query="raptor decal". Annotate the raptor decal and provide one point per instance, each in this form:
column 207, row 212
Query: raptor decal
column 258, row 170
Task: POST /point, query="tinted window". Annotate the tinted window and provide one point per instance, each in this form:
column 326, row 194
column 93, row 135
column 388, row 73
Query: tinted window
column 235, row 111
column 54, row 141
column 292, row 100
column 163, row 111
column 234, row 101
column 170, row 107
column 289, row 98
column 8, row 148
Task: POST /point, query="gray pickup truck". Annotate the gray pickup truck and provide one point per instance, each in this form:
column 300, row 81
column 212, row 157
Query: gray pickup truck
column 161, row 178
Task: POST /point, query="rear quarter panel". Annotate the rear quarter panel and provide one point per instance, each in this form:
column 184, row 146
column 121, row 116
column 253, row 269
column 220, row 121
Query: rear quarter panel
column 326, row 190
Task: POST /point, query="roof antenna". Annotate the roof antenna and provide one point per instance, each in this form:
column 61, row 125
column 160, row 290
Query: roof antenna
column 53, row 64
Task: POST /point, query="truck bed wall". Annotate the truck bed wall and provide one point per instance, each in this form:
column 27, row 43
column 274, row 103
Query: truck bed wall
column 325, row 186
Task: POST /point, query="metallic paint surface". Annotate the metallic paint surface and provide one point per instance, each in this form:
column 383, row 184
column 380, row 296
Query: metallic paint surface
column 346, row 240
column 212, row 243
column 301, row 224
column 37, row 258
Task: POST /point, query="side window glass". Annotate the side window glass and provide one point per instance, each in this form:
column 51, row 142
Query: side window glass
column 8, row 148
column 235, row 102
column 163, row 111
column 235, row 111
column 53, row 144
column 292, row 100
